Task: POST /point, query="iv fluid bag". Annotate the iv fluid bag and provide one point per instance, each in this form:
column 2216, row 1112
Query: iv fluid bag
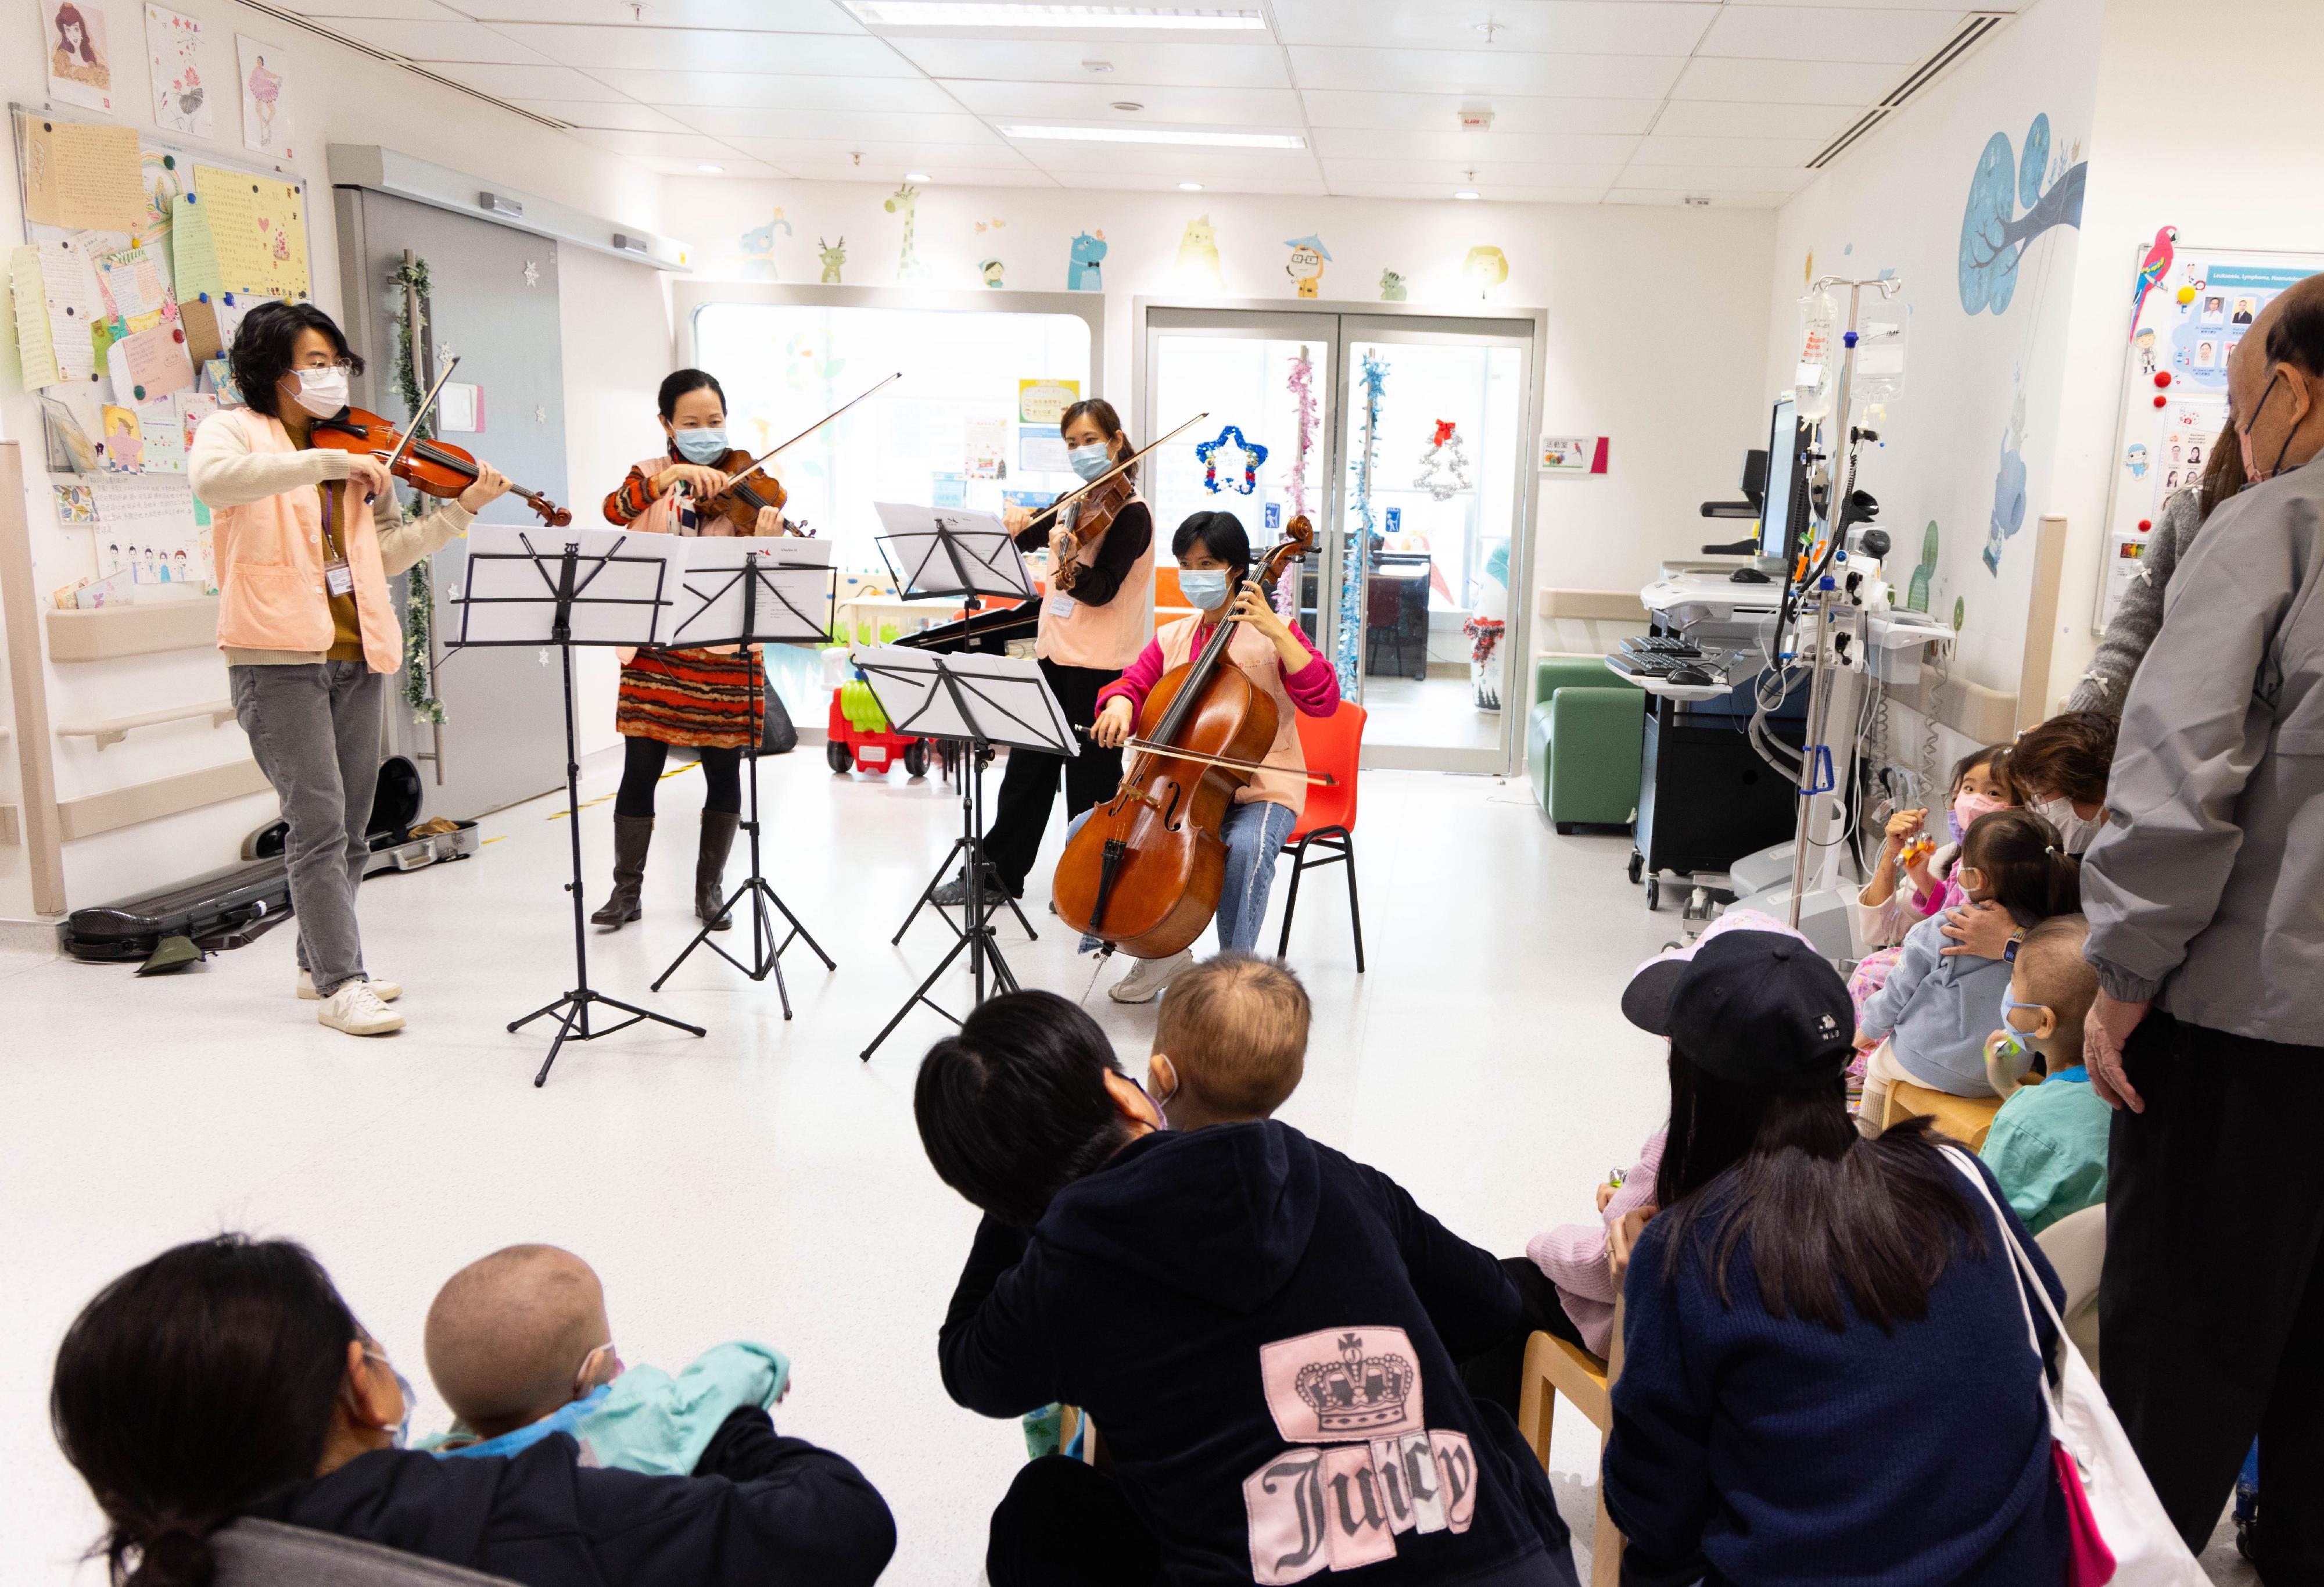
column 1880, row 353
column 1812, row 386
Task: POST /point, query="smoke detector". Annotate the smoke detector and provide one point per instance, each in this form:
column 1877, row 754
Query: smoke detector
column 1128, row 105
column 1099, row 68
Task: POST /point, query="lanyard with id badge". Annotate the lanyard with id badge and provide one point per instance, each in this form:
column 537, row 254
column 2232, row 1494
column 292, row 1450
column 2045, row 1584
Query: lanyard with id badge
column 339, row 578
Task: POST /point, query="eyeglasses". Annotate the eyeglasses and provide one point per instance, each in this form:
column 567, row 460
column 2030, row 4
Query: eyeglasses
column 589, row 1377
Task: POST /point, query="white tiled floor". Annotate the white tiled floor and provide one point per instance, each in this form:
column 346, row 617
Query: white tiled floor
column 763, row 1181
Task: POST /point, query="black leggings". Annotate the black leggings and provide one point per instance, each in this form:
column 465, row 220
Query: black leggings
column 1497, row 1374
column 721, row 771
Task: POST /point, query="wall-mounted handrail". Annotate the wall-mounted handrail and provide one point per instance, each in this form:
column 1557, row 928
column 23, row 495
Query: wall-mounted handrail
column 111, row 730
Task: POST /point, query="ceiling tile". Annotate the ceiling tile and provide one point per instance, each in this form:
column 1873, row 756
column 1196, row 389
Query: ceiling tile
column 1458, row 148
column 1573, row 27
column 1787, row 82
column 1053, row 60
column 439, row 41
column 781, row 16
column 326, row 10
column 1709, row 118
column 881, row 161
column 679, row 145
column 1674, row 197
column 1476, row 71
column 1094, row 103
column 1093, row 161
column 1661, row 150
column 834, row 126
column 1805, row 33
column 1226, row 182
column 757, row 91
column 939, row 175
column 1443, row 178
column 604, row 114
column 600, row 49
column 522, row 82
column 1437, row 111
column 1507, row 195
column 2006, row 7
column 730, row 166
column 1713, row 179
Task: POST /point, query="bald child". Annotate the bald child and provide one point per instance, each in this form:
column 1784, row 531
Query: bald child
column 520, row 1347
column 1230, row 1042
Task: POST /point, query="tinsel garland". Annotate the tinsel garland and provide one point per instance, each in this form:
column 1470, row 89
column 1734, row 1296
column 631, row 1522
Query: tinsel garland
column 1357, row 559
column 420, row 603
column 1302, row 395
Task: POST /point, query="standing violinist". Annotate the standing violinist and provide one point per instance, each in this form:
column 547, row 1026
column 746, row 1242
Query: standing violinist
column 1214, row 553
column 1099, row 611
column 708, row 699
column 307, row 625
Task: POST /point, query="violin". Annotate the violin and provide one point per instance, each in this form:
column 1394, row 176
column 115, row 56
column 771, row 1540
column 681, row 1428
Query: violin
column 433, row 468
column 1106, row 494
column 744, row 498
column 1144, row 870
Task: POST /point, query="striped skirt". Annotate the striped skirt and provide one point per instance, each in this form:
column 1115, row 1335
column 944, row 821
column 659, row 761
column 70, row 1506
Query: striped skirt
column 693, row 697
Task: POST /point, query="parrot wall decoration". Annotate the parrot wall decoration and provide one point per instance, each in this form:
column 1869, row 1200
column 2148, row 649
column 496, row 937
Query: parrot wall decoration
column 2156, row 265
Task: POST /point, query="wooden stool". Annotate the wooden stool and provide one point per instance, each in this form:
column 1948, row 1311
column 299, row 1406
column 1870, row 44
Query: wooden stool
column 1554, row 1367
column 1963, row 1118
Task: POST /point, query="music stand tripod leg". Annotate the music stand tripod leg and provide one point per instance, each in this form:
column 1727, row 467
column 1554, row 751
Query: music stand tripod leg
column 765, row 954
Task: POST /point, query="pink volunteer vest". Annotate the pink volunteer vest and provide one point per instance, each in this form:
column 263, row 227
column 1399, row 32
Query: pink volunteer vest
column 1256, row 655
column 1108, row 637
column 270, row 564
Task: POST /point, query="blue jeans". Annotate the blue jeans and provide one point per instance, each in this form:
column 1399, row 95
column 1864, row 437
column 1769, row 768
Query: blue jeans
column 1254, row 834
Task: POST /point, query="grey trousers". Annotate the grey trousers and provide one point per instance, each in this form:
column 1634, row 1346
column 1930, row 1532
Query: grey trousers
column 314, row 730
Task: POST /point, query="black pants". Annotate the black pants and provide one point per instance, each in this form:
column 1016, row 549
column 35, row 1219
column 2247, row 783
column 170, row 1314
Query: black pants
column 1029, row 787
column 1498, row 1375
column 722, row 774
column 2211, row 1308
column 1065, row 1524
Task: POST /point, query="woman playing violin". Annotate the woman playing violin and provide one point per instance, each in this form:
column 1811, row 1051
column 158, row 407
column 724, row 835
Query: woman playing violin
column 1100, row 609
column 306, row 538
column 706, row 698
column 1213, row 555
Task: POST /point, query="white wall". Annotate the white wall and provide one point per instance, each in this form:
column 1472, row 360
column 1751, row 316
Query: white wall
column 1656, row 315
column 616, row 346
column 2239, row 178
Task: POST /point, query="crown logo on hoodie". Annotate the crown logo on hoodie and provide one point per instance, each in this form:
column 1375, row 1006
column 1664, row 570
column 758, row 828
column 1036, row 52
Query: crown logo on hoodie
column 1358, row 1392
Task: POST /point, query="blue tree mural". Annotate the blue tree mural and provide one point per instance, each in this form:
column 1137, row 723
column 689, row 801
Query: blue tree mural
column 1993, row 235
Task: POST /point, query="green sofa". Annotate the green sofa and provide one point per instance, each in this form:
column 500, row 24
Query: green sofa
column 1584, row 742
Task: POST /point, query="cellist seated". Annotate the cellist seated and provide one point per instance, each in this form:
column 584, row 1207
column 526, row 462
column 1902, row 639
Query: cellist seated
column 1213, row 555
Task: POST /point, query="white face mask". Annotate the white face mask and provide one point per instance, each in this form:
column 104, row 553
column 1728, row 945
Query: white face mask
column 323, row 392
column 2075, row 831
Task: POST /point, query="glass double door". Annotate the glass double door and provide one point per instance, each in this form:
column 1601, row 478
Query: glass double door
column 1404, row 440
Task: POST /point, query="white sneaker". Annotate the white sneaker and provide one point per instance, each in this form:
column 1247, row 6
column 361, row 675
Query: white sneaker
column 356, row 1009
column 386, row 991
column 1147, row 977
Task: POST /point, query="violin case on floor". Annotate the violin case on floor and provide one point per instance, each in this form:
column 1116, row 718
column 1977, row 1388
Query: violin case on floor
column 231, row 908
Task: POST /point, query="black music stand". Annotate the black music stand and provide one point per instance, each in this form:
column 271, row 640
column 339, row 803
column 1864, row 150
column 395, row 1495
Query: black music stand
column 740, row 592
column 502, row 603
column 979, row 700
column 931, row 553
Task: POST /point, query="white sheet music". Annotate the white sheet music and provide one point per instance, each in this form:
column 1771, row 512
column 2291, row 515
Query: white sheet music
column 989, row 561
column 792, row 600
column 1000, row 699
column 626, row 585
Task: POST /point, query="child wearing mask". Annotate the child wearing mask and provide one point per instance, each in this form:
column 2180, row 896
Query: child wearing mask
column 1928, row 1021
column 2048, row 1145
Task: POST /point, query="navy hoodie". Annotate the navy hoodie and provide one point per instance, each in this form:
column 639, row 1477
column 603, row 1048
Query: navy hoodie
column 1264, row 1333
column 759, row 1511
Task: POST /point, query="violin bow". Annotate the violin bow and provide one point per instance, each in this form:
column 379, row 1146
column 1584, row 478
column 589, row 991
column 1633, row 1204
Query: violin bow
column 1167, row 751
column 420, row 415
column 767, row 457
column 1079, row 492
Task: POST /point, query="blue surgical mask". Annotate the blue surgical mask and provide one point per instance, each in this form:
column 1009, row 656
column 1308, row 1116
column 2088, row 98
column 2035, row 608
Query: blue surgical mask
column 1092, row 460
column 704, row 447
column 1204, row 587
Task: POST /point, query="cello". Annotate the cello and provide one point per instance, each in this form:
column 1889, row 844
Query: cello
column 1144, row 870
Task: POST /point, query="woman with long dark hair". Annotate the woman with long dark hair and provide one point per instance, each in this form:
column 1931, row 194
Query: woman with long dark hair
column 226, row 1378
column 1825, row 1372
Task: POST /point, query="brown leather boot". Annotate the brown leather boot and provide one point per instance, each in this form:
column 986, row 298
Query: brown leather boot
column 633, row 835
column 718, row 830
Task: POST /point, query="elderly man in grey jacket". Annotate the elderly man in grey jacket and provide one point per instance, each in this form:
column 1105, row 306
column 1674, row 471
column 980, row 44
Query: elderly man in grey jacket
column 2205, row 892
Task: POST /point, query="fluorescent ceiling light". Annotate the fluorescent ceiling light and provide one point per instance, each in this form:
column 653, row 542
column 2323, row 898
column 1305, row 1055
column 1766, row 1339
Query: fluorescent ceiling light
column 713, row 169
column 1003, row 13
column 1126, row 134
column 1190, row 186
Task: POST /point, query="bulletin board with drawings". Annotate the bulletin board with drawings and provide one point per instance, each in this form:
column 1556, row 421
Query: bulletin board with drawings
column 139, row 259
column 2175, row 393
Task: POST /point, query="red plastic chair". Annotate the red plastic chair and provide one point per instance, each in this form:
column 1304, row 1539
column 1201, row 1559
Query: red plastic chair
column 1332, row 744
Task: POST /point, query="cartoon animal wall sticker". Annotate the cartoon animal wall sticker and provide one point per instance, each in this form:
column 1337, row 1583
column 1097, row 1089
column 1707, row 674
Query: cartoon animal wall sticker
column 1085, row 259
column 906, row 201
column 758, row 246
column 1198, row 254
column 1392, row 289
column 1486, row 265
column 1308, row 257
column 833, row 255
column 989, row 272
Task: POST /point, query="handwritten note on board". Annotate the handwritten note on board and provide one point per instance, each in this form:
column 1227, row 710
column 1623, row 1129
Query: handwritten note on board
column 259, row 229
column 135, row 290
column 201, row 326
column 68, row 281
column 28, row 297
column 148, row 365
column 194, row 254
column 79, row 174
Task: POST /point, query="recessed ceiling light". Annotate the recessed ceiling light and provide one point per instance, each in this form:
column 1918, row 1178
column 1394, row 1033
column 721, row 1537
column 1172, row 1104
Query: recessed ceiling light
column 1190, row 186
column 915, row 176
column 1466, row 193
column 1128, row 105
column 1002, row 14
column 713, row 169
column 1098, row 67
column 1124, row 135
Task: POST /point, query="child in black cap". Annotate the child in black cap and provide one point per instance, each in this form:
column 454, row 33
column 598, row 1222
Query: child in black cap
column 1826, row 1373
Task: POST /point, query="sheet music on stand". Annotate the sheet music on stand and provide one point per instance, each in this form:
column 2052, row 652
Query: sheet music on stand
column 623, row 589
column 733, row 590
column 995, row 699
column 950, row 551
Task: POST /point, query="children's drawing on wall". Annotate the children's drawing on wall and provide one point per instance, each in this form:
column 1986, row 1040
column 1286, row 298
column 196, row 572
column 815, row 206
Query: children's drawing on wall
column 1486, row 265
column 1308, row 257
column 1085, row 262
column 178, row 65
column 989, row 271
column 833, row 255
column 906, row 201
column 758, row 247
column 1198, row 254
column 80, row 55
column 1391, row 287
column 266, row 119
